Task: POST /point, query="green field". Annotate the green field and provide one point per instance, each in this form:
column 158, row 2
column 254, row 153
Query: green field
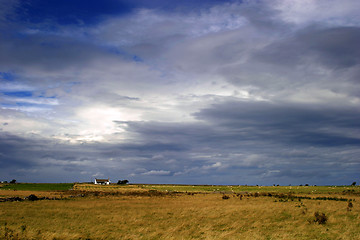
column 37, row 186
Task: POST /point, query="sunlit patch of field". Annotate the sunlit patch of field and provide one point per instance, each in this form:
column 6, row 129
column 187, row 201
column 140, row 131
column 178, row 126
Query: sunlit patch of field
column 241, row 188
column 12, row 193
column 180, row 216
column 107, row 188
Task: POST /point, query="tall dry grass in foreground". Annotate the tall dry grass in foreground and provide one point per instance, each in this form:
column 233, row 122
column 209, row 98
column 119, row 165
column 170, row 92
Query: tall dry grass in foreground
column 199, row 216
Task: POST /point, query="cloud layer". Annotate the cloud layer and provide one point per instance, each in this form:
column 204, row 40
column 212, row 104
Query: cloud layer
column 234, row 92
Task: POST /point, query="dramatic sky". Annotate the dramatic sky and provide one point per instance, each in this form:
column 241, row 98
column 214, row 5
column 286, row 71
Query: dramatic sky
column 194, row 92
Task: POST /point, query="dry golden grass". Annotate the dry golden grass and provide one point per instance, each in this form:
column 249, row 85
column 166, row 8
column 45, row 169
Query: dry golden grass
column 12, row 193
column 107, row 188
column 199, row 216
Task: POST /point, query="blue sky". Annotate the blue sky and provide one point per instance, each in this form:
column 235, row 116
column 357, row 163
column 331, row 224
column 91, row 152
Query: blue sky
column 194, row 92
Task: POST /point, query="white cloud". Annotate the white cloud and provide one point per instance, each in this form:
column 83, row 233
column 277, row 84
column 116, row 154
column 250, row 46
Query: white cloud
column 329, row 12
column 14, row 86
column 150, row 27
column 37, row 101
column 157, row 173
column 212, row 166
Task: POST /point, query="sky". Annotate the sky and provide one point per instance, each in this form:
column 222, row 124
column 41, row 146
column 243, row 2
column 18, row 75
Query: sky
column 183, row 92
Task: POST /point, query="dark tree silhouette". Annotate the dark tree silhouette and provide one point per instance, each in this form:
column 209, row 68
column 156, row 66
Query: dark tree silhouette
column 121, row 182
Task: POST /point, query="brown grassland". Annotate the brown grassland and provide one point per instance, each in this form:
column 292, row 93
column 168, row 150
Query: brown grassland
column 195, row 212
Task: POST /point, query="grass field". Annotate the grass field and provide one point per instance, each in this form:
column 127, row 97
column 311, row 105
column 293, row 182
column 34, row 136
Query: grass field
column 37, row 186
column 197, row 212
column 223, row 189
column 277, row 189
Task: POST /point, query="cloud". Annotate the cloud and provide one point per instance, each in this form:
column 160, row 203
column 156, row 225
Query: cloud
column 209, row 93
column 46, row 52
column 333, row 47
column 307, row 12
column 8, row 11
column 157, row 173
column 297, row 124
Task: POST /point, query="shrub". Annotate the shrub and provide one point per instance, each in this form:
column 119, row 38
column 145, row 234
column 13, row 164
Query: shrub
column 350, row 205
column 320, row 218
column 32, row 197
column 225, row 197
column 304, row 211
column 121, row 182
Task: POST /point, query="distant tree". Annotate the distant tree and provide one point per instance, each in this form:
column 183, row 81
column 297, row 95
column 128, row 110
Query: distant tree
column 13, row 181
column 306, row 185
column 122, row 182
column 353, row 184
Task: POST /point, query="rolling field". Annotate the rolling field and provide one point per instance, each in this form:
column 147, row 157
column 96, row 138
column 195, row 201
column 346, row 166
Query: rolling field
column 277, row 189
column 37, row 186
column 184, row 212
column 222, row 188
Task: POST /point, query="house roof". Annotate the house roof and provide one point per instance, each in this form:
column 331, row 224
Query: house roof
column 101, row 180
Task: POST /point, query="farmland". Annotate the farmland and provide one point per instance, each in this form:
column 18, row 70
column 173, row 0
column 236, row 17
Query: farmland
column 38, row 186
column 181, row 212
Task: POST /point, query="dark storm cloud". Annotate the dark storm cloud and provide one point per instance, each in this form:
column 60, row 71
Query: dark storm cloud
column 237, row 143
column 154, row 147
column 163, row 131
column 315, row 58
column 258, row 143
column 304, row 174
column 333, row 47
column 234, row 125
column 34, row 157
column 295, row 124
column 24, row 156
column 11, row 154
column 46, row 52
column 263, row 18
column 17, row 151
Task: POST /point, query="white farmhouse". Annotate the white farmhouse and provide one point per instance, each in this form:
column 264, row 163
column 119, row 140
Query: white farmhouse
column 102, row 181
